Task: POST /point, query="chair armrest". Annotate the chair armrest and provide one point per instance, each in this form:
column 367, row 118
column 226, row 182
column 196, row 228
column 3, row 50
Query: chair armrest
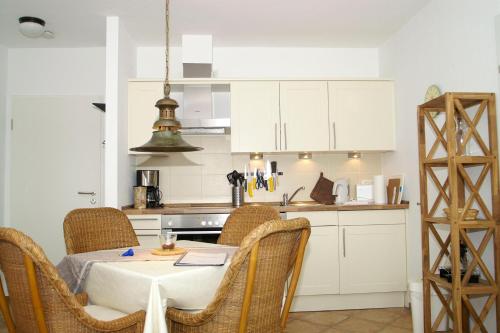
column 188, row 318
column 82, row 298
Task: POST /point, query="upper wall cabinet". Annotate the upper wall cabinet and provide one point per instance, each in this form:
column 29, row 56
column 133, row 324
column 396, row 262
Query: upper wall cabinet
column 361, row 115
column 285, row 116
column 271, row 116
column 304, row 115
column 255, row 117
column 142, row 112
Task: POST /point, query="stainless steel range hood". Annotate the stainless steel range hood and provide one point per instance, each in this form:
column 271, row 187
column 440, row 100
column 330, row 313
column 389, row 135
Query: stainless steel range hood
column 205, row 107
column 205, row 110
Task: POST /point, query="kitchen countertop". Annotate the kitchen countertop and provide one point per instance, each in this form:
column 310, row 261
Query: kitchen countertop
column 300, row 206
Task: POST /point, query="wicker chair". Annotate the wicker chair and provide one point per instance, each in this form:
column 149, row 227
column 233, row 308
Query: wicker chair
column 41, row 301
column 93, row 229
column 249, row 298
column 243, row 220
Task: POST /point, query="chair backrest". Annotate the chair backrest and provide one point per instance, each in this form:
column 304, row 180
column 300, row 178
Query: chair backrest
column 243, row 220
column 40, row 300
column 93, row 229
column 249, row 298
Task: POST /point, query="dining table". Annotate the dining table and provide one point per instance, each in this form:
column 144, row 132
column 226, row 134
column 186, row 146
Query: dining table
column 153, row 285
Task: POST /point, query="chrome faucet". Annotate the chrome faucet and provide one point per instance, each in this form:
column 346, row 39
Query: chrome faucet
column 286, row 201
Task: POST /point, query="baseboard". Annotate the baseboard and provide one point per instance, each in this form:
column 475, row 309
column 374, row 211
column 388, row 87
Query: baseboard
column 348, row 302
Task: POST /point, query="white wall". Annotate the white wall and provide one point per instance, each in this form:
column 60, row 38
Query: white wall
column 497, row 35
column 267, row 62
column 54, row 71
column 450, row 43
column 3, row 122
column 120, row 66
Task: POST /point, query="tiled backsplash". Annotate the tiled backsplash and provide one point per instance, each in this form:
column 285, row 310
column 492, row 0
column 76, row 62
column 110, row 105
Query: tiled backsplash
column 201, row 176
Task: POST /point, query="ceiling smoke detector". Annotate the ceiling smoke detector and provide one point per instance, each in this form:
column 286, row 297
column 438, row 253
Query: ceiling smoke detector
column 34, row 27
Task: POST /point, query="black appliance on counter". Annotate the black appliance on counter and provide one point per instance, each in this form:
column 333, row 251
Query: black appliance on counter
column 151, row 180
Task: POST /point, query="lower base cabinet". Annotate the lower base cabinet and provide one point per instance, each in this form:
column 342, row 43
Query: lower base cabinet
column 147, row 228
column 373, row 259
column 319, row 273
column 353, row 259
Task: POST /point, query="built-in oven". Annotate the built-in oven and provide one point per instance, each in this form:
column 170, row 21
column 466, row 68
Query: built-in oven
column 196, row 227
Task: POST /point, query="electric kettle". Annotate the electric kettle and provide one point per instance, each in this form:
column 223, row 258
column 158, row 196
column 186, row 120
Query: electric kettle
column 341, row 189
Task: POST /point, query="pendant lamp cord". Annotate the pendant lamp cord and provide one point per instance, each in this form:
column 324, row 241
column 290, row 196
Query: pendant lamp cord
column 166, row 85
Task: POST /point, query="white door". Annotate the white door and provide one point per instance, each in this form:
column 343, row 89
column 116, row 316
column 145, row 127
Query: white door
column 320, row 270
column 304, row 116
column 255, row 118
column 361, row 115
column 56, row 153
column 372, row 258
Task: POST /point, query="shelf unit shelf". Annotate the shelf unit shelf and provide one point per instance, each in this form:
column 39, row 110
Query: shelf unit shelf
column 481, row 288
column 443, row 119
column 465, row 224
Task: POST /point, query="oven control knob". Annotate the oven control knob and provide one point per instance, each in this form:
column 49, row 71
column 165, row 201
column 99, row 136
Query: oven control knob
column 216, row 222
column 169, row 223
column 203, row 223
column 209, row 222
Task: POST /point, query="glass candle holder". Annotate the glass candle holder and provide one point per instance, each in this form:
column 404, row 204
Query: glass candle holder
column 168, row 240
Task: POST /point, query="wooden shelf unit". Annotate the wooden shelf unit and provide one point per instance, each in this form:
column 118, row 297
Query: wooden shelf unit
column 459, row 181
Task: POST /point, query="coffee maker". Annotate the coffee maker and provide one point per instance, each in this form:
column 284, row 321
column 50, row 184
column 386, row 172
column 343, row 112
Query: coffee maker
column 151, row 180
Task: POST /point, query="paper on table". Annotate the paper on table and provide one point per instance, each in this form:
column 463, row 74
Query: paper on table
column 203, row 258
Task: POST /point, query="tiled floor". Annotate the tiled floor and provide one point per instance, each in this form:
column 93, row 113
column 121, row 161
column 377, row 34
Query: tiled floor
column 393, row 320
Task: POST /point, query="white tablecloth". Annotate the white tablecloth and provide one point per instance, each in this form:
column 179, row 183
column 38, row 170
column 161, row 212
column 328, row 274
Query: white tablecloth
column 152, row 285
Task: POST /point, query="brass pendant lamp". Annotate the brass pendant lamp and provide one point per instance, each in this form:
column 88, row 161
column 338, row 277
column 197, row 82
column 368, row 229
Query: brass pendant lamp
column 166, row 137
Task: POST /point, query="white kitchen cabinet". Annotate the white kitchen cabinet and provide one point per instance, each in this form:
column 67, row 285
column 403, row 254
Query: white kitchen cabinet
column 372, row 259
column 142, row 113
column 304, row 116
column 255, row 118
column 353, row 260
column 361, row 115
column 147, row 228
column 320, row 274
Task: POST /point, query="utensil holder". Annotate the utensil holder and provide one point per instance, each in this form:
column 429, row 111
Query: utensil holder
column 238, row 196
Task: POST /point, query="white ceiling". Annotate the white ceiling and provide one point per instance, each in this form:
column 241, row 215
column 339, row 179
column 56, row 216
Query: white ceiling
column 306, row 23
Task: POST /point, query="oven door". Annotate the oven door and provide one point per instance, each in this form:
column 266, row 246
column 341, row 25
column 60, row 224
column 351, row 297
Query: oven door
column 206, row 235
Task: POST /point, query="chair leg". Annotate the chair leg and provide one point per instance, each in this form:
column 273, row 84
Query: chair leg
column 35, row 295
column 4, row 307
column 247, row 300
column 295, row 277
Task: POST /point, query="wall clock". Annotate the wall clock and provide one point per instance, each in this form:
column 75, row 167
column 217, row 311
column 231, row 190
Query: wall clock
column 432, row 92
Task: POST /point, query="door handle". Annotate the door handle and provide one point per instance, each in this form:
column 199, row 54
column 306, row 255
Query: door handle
column 275, row 136
column 286, row 141
column 343, row 240
column 334, row 135
column 87, row 193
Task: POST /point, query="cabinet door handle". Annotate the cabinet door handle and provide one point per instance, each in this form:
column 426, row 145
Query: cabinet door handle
column 343, row 240
column 334, row 135
column 275, row 136
column 286, row 143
